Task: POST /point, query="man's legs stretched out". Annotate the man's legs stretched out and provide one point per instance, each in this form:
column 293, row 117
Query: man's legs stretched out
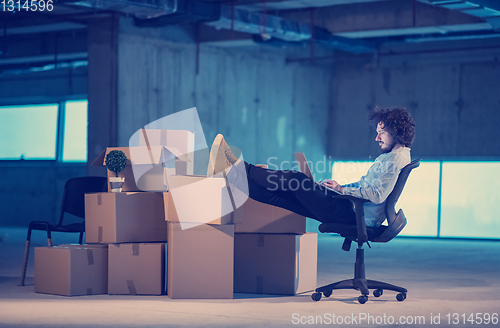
column 261, row 194
column 291, row 190
column 293, row 187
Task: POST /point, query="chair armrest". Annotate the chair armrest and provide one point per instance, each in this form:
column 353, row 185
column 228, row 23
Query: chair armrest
column 360, row 215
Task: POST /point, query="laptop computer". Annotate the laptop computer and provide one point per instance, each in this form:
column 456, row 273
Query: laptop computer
column 304, row 168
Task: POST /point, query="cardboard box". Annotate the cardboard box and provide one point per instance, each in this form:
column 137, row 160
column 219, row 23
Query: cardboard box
column 283, row 264
column 121, row 217
column 200, row 261
column 182, row 140
column 202, row 200
column 264, row 218
column 136, row 269
column 71, row 270
column 147, row 167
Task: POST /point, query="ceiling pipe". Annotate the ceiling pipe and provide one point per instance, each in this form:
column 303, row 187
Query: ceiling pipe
column 489, row 10
column 156, row 13
column 253, row 23
column 186, row 11
column 142, row 9
column 285, row 30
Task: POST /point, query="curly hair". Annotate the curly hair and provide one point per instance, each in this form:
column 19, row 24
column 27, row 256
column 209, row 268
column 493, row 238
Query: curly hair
column 397, row 121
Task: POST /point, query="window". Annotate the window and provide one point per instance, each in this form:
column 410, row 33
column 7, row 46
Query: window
column 462, row 206
column 53, row 131
column 75, row 131
column 469, row 200
column 420, row 199
column 347, row 172
column 28, row 132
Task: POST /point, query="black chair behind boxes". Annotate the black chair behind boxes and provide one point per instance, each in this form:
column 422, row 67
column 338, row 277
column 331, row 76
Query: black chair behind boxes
column 361, row 234
column 73, row 202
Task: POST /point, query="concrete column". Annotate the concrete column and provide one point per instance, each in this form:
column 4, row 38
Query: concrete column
column 102, row 87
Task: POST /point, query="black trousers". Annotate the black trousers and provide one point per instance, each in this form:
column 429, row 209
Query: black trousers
column 294, row 191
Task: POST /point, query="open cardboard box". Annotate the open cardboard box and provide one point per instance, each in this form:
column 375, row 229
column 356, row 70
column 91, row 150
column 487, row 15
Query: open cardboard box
column 196, row 199
column 182, row 140
column 151, row 164
column 200, row 199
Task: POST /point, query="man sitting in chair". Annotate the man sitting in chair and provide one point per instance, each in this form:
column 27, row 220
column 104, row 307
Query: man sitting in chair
column 296, row 192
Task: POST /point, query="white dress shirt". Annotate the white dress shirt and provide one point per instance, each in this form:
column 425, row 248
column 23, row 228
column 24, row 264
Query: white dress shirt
column 378, row 183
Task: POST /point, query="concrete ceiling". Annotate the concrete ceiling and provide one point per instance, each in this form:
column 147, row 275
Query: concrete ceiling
column 352, row 26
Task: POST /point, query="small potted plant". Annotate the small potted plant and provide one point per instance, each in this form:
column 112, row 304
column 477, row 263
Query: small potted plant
column 116, row 160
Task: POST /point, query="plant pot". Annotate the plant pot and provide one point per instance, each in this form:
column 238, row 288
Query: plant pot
column 116, row 183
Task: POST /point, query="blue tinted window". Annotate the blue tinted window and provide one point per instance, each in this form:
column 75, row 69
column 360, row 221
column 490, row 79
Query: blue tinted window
column 347, row 172
column 470, row 198
column 75, row 131
column 419, row 201
column 28, row 132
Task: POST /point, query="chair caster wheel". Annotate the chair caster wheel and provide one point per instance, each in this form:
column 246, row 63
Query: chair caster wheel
column 378, row 292
column 327, row 293
column 401, row 297
column 362, row 299
column 316, row 296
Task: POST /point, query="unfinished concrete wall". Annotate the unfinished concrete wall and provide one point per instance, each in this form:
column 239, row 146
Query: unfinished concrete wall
column 453, row 97
column 102, row 88
column 43, row 86
column 262, row 105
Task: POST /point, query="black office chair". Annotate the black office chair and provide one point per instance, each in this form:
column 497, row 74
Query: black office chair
column 362, row 234
column 73, row 202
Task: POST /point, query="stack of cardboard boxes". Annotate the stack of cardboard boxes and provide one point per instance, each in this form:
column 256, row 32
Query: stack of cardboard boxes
column 133, row 227
column 273, row 253
column 210, row 252
column 200, row 236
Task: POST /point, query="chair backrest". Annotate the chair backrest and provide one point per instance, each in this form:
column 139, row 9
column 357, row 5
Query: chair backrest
column 396, row 221
column 392, row 199
column 73, row 201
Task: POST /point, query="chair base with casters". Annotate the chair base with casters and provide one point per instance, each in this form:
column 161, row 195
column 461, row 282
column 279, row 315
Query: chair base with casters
column 360, row 283
column 362, row 234
column 73, row 202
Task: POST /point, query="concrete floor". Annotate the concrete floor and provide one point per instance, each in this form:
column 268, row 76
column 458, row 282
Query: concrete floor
column 443, row 277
